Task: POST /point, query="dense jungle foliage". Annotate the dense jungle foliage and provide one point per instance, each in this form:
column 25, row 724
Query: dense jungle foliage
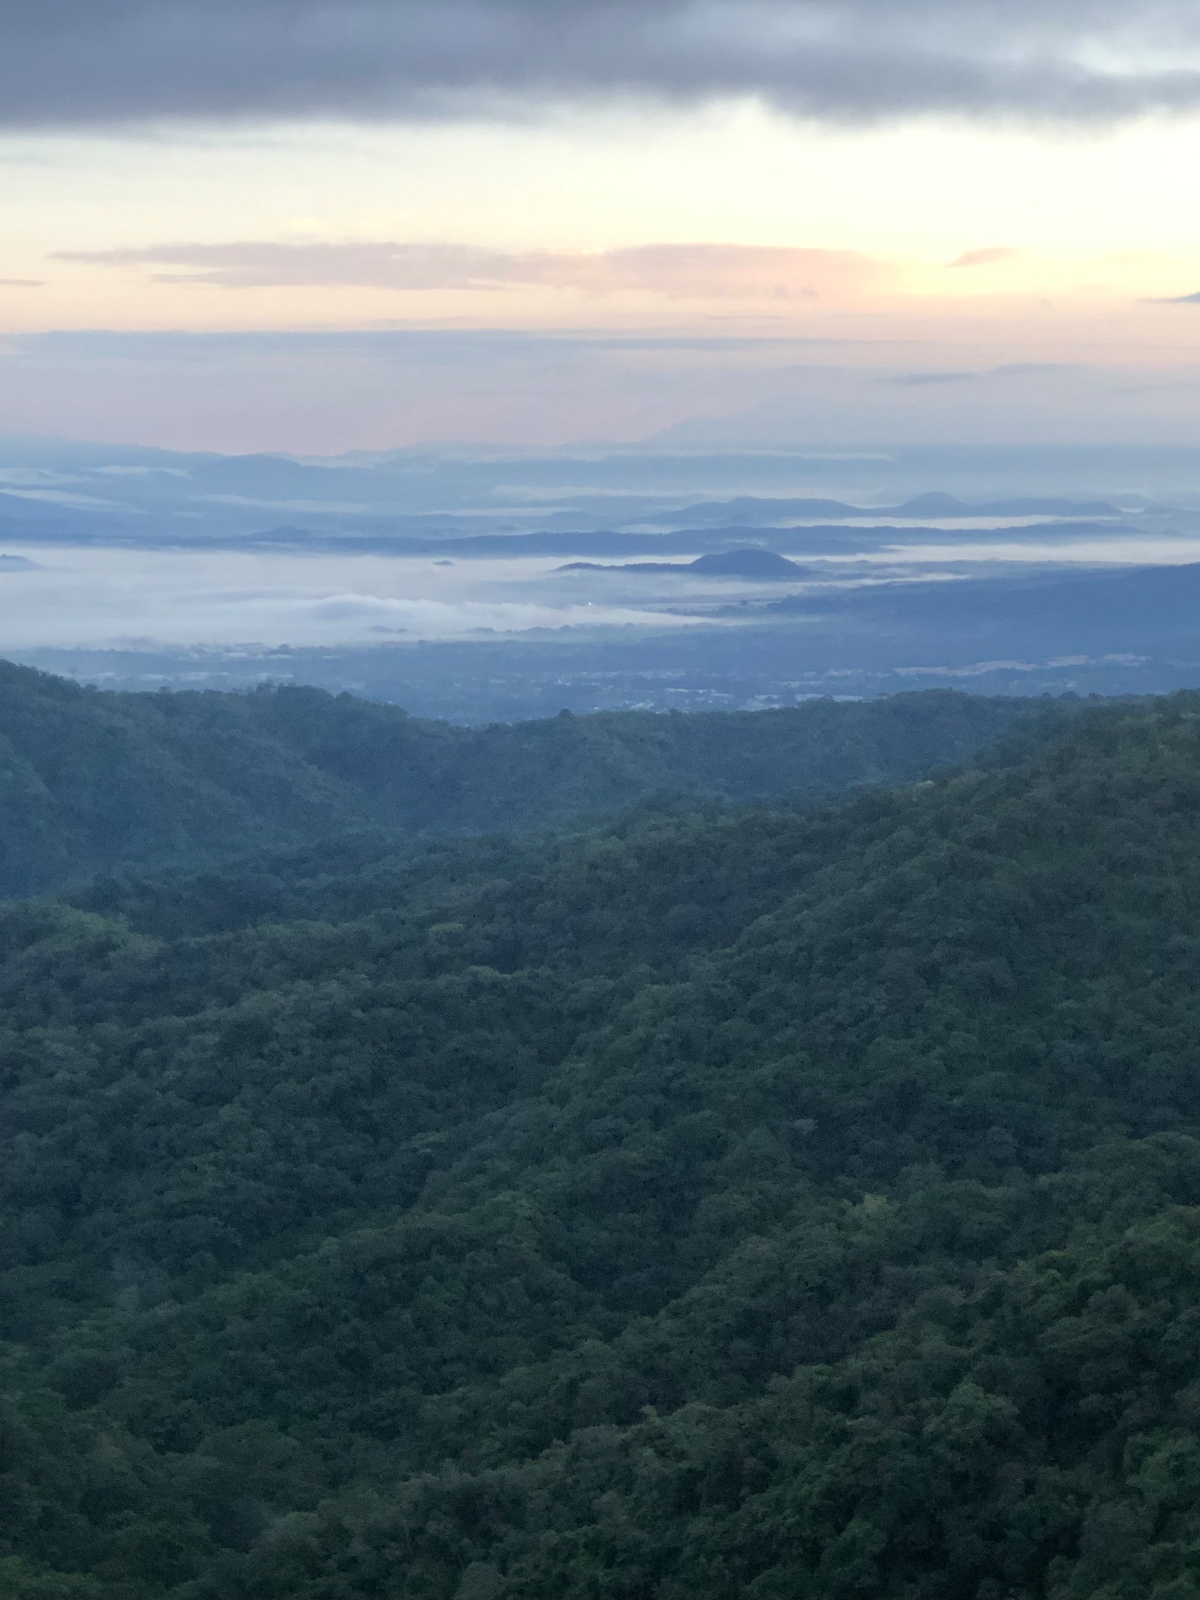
column 780, row 1203
column 92, row 780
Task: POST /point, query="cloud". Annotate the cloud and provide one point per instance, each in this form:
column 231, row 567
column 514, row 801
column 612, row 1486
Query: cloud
column 77, row 502
column 76, row 62
column 917, row 380
column 1011, row 369
column 431, row 619
column 676, row 271
column 1181, row 300
column 984, row 258
column 22, row 283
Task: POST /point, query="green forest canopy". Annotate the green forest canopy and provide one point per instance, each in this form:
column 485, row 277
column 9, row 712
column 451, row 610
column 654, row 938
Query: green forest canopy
column 751, row 1202
column 91, row 780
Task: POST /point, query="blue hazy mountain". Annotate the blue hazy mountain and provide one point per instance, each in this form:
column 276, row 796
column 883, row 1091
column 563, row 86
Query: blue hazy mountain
column 749, row 562
column 757, row 511
column 79, row 489
column 895, row 594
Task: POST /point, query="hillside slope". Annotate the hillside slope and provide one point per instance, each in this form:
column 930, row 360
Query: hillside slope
column 750, row 1203
column 93, row 780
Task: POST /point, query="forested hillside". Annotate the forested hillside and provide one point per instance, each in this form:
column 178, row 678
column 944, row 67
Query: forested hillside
column 91, row 780
column 793, row 1204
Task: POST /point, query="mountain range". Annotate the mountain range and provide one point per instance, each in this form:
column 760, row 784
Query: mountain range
column 95, row 780
column 767, row 1200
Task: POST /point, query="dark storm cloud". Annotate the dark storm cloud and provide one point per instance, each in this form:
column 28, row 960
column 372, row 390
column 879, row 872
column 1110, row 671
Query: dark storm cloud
column 81, row 62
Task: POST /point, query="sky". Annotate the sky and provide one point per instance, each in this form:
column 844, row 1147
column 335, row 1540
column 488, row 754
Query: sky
column 305, row 226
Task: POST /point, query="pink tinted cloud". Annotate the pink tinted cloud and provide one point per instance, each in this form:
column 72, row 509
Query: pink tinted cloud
column 672, row 271
column 985, row 258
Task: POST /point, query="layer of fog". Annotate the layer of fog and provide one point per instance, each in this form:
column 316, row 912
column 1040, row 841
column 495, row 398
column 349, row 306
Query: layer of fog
column 60, row 595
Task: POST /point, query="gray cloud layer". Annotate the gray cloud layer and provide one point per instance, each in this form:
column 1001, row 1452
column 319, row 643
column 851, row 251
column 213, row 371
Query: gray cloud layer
column 89, row 62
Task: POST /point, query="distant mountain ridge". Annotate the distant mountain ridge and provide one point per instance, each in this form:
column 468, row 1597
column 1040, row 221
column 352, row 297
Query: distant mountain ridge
column 754, row 511
column 95, row 780
column 751, row 562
